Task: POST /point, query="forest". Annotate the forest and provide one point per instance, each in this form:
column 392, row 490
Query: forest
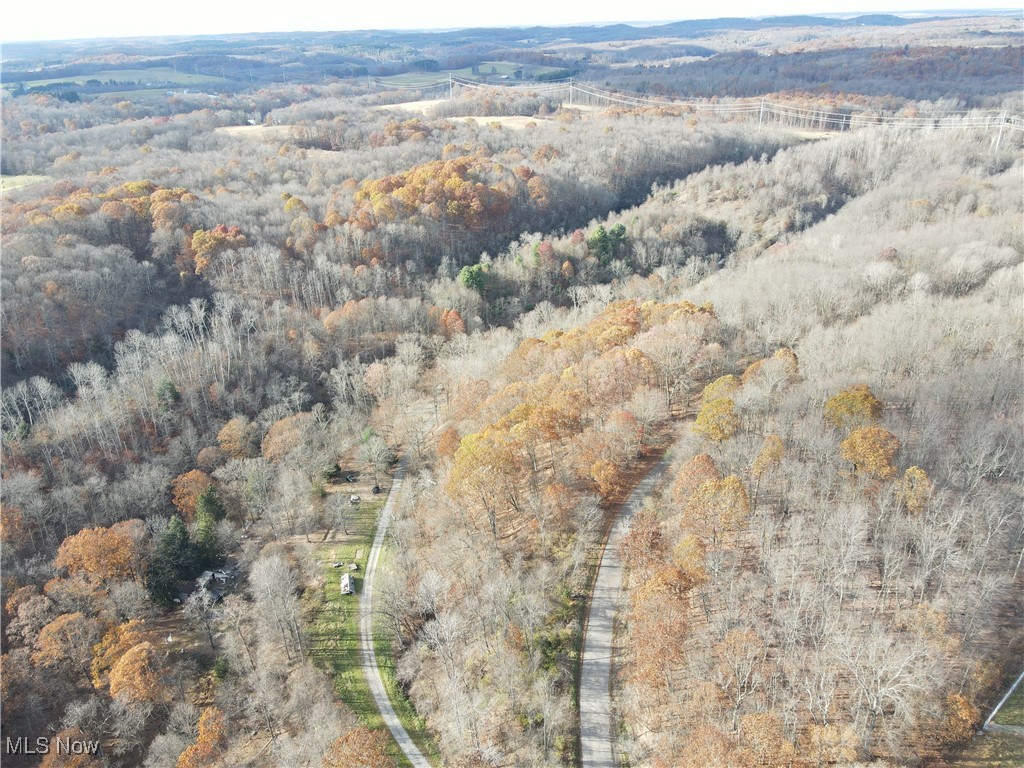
column 234, row 324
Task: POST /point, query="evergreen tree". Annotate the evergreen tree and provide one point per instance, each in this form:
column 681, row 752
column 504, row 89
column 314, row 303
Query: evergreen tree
column 205, row 538
column 173, row 557
column 209, row 503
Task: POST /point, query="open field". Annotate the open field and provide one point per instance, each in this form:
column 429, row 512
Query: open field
column 426, row 108
column 516, row 122
column 269, row 132
column 335, row 632
column 421, row 107
column 493, row 70
column 152, row 75
column 17, row 182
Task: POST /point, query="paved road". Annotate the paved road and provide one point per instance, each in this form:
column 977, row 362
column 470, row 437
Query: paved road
column 369, row 656
column 596, row 727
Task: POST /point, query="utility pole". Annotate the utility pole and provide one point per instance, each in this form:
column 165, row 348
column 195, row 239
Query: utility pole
column 760, row 116
column 570, row 93
column 999, row 139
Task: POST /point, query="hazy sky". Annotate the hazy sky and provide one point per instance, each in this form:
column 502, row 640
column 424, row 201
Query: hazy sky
column 65, row 19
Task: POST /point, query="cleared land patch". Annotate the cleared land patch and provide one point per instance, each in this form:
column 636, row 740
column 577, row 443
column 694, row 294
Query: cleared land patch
column 146, row 76
column 8, row 183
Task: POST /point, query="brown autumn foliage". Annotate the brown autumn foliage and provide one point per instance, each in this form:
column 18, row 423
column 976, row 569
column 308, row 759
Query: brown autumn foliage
column 59, row 758
column 853, row 408
column 871, row 451
column 157, row 330
column 459, row 192
column 284, row 436
column 66, row 643
column 117, row 641
column 237, row 438
column 135, row 677
column 717, row 419
column 448, row 442
column 209, row 743
column 186, row 490
column 359, row 748
column 692, row 475
column 717, row 509
column 105, row 554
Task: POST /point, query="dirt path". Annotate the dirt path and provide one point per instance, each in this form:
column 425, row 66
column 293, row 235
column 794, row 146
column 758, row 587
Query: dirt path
column 369, row 656
column 597, row 740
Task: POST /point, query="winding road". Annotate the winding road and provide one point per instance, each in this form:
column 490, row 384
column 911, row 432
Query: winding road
column 367, row 651
column 596, row 725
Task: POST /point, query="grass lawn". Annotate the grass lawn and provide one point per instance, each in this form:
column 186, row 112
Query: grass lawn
column 162, row 75
column 1012, row 712
column 994, row 749
column 335, row 632
column 997, row 747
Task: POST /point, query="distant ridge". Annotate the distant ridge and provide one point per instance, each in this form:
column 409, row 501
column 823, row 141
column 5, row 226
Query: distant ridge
column 582, row 33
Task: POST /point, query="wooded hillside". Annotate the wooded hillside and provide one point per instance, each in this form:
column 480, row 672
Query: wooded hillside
column 224, row 321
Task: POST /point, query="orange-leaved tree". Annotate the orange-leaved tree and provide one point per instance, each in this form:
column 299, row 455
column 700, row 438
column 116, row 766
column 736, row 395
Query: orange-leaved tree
column 210, row 742
column 67, row 641
column 116, row 553
column 871, row 451
column 853, row 408
column 915, row 490
column 644, row 546
column 237, row 438
column 115, row 643
column 718, row 508
column 135, row 677
column 207, row 244
column 448, row 443
column 692, row 475
column 186, row 490
column 717, row 419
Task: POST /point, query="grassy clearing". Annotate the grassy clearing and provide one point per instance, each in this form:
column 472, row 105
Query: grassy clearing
column 159, row 75
column 335, row 632
column 8, row 183
column 485, row 70
column 1012, row 712
column 994, row 749
column 136, row 94
column 499, row 68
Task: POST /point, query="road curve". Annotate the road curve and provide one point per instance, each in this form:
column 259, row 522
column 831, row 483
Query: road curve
column 367, row 651
column 596, row 728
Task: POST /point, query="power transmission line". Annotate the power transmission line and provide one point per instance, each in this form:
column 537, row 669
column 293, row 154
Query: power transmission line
column 822, row 118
